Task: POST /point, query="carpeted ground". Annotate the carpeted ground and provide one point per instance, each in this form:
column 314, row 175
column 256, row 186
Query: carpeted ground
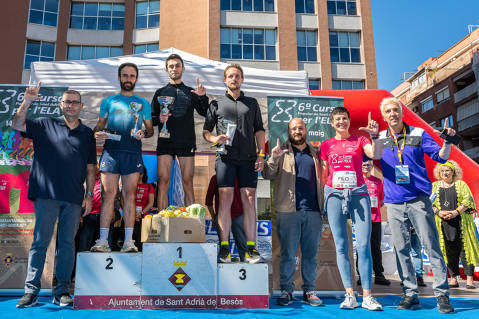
column 465, row 308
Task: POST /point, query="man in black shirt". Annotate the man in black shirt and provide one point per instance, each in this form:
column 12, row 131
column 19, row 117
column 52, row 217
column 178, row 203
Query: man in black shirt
column 65, row 157
column 180, row 124
column 243, row 157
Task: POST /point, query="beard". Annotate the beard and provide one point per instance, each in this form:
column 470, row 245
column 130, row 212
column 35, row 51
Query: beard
column 296, row 141
column 127, row 88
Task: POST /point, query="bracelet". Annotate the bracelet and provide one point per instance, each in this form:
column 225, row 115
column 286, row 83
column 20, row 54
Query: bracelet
column 458, row 212
column 261, row 155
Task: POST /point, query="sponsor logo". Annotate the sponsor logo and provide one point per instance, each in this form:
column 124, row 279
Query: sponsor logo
column 179, row 279
column 8, row 260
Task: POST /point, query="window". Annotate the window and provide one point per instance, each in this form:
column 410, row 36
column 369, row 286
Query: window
column 85, row 52
column 44, row 12
column 148, row 14
column 314, row 84
column 348, row 85
column 97, row 16
column 450, row 121
column 248, row 44
column 307, row 45
column 38, row 51
column 442, row 95
column 344, row 47
column 418, row 81
column 342, row 7
column 304, row 6
column 148, row 47
column 427, row 104
column 247, row 5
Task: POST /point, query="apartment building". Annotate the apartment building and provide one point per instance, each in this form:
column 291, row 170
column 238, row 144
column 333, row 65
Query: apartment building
column 446, row 87
column 331, row 39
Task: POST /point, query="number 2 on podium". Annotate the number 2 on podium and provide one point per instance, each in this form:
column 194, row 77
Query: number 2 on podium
column 109, row 261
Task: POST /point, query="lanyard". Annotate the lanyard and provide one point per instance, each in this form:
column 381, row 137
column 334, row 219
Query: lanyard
column 400, row 150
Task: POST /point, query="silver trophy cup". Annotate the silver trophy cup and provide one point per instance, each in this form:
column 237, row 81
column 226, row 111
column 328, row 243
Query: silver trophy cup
column 135, row 109
column 165, row 102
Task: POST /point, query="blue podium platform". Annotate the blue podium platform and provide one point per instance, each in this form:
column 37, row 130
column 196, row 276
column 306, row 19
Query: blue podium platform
column 465, row 308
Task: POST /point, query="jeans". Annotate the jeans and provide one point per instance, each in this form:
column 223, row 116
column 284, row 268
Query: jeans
column 416, row 253
column 359, row 208
column 47, row 211
column 417, row 213
column 301, row 227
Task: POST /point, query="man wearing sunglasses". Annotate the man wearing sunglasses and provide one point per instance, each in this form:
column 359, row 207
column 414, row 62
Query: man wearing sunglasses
column 65, row 156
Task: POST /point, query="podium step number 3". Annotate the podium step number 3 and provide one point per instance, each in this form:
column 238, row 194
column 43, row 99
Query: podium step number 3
column 243, row 286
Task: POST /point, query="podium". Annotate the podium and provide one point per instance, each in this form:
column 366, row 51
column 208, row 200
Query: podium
column 108, row 281
column 168, row 276
column 179, row 275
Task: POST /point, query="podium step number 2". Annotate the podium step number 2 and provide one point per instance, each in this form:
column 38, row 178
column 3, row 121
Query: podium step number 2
column 108, row 281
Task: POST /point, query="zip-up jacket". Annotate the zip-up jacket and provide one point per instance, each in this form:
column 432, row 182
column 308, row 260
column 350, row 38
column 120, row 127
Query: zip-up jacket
column 282, row 170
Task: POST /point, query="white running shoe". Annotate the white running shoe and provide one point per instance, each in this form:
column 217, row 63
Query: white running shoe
column 101, row 246
column 349, row 302
column 370, row 303
column 129, row 247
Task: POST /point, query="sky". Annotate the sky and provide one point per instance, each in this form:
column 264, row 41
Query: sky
column 408, row 32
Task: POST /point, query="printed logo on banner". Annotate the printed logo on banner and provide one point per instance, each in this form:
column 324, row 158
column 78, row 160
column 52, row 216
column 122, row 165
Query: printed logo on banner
column 179, row 279
column 8, row 260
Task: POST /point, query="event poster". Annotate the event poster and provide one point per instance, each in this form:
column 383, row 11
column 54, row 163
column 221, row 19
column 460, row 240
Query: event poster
column 16, row 210
column 315, row 112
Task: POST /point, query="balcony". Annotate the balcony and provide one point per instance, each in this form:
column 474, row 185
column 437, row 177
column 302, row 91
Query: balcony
column 468, row 122
column 465, row 92
column 472, row 152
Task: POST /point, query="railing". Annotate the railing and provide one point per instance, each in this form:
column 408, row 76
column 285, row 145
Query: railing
column 465, row 92
column 468, row 122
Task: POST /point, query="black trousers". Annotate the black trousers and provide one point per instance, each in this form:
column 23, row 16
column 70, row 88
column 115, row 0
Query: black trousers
column 89, row 231
column 454, row 252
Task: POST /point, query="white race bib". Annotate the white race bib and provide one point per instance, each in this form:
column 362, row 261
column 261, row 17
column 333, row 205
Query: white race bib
column 374, row 201
column 344, row 179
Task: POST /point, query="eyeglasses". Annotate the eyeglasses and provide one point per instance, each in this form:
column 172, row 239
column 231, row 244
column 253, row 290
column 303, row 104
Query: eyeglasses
column 68, row 102
column 367, row 165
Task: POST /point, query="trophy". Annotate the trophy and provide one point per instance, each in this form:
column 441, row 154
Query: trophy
column 165, row 102
column 135, row 109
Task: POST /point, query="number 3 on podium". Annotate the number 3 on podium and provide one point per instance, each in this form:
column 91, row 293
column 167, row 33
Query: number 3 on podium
column 242, row 271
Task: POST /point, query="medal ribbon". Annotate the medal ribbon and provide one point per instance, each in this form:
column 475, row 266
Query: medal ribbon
column 400, row 149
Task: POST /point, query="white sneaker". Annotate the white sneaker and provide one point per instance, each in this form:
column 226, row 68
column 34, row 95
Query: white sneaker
column 129, row 247
column 370, row 303
column 349, row 302
column 101, row 246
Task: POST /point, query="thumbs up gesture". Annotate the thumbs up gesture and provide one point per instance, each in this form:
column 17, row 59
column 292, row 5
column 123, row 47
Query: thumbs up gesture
column 277, row 151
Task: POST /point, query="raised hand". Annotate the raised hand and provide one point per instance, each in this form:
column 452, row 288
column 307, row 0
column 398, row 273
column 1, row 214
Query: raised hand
column 449, row 131
column 372, row 128
column 31, row 93
column 277, row 151
column 200, row 89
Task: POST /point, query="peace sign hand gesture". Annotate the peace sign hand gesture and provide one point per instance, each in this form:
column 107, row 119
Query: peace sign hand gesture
column 200, row 89
column 277, row 151
column 31, row 93
column 372, row 128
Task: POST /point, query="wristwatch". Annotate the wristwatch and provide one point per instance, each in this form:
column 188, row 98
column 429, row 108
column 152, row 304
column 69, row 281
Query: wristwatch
column 90, row 194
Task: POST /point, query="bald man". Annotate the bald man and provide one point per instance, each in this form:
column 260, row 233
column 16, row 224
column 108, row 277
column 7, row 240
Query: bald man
column 295, row 168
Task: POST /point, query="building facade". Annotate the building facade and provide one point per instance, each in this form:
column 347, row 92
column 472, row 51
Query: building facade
column 445, row 87
column 331, row 39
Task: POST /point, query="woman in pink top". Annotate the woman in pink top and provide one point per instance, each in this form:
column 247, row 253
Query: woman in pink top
column 346, row 195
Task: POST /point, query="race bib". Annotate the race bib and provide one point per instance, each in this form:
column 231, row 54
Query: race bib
column 374, row 201
column 344, row 179
column 402, row 174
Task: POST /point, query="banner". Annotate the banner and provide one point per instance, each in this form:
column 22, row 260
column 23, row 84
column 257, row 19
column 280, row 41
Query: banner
column 16, row 210
column 315, row 112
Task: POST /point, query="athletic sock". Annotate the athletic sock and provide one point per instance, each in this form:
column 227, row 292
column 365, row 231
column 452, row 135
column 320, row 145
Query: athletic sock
column 104, row 233
column 128, row 234
column 225, row 243
column 250, row 243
